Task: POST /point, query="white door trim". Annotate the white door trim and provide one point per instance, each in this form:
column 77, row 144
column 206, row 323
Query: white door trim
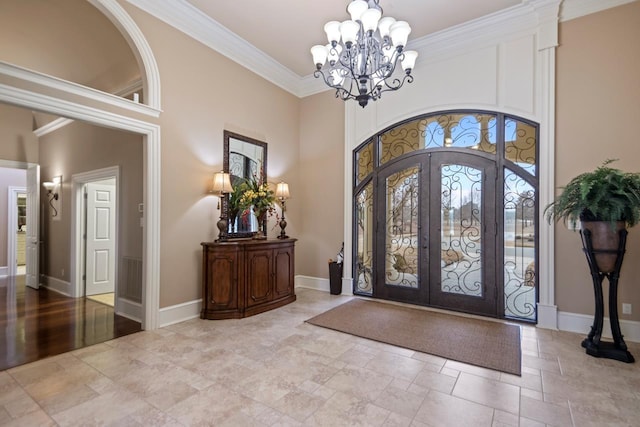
column 12, row 220
column 78, row 180
column 151, row 180
column 81, row 108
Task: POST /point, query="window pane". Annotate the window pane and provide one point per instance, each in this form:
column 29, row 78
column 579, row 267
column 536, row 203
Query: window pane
column 402, row 139
column 401, row 243
column 364, row 240
column 519, row 247
column 461, row 230
column 364, row 162
column 474, row 131
column 464, row 130
column 520, row 144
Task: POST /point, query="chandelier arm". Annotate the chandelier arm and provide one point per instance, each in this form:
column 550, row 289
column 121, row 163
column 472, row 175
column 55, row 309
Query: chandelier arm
column 398, row 83
column 319, row 73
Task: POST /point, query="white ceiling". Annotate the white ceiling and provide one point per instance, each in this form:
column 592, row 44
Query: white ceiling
column 286, row 29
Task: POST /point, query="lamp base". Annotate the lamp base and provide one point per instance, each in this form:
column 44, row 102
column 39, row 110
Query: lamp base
column 283, row 225
column 222, row 227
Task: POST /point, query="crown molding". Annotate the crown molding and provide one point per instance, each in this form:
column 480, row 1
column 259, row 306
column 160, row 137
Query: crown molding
column 52, row 126
column 572, row 9
column 523, row 18
column 130, row 88
column 185, row 17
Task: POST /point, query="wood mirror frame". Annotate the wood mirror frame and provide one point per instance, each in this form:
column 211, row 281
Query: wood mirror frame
column 242, row 158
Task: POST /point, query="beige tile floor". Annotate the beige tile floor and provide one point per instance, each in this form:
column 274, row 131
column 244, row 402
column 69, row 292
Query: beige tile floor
column 275, row 370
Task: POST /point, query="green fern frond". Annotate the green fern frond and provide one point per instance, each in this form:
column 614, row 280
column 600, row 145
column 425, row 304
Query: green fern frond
column 605, row 194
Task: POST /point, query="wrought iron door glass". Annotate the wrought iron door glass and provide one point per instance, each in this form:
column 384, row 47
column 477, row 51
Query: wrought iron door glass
column 475, row 131
column 387, row 262
column 461, row 230
column 520, row 144
column 401, row 228
column 364, row 162
column 519, row 247
column 364, row 240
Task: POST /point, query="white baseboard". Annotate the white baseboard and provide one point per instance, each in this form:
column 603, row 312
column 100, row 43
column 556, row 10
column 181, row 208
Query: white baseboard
column 4, row 271
column 129, row 309
column 547, row 316
column 179, row 313
column 309, row 282
column 347, row 286
column 57, row 285
column 581, row 323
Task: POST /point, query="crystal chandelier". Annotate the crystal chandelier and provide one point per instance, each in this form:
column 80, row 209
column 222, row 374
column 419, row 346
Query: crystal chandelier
column 363, row 52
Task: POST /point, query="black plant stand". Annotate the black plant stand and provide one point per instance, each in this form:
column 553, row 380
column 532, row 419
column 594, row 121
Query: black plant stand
column 594, row 346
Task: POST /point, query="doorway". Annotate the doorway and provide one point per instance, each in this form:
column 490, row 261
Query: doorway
column 16, row 230
column 438, row 221
column 446, row 214
column 22, row 242
column 95, row 225
column 100, row 240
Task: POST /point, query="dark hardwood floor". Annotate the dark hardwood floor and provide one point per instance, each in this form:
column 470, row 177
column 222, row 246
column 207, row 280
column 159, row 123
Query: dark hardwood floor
column 35, row 324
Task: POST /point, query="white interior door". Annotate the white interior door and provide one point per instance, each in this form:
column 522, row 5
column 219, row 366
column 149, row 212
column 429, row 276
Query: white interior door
column 32, row 244
column 101, row 238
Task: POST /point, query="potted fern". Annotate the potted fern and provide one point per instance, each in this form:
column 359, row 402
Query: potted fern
column 606, row 201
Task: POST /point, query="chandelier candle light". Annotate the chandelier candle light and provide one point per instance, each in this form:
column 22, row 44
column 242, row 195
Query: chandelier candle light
column 363, row 53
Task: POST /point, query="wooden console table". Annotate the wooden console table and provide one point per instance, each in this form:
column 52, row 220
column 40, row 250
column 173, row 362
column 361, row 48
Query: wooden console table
column 244, row 277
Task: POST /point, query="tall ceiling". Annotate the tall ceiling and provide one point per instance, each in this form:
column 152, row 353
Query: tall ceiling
column 286, row 29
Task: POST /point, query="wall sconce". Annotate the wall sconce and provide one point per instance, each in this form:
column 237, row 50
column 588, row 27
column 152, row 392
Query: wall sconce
column 282, row 193
column 221, row 186
column 53, row 188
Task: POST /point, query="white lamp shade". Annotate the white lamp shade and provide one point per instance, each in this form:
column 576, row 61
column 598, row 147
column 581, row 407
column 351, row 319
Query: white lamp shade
column 385, row 25
column 334, row 53
column 49, row 186
column 319, row 54
column 221, row 183
column 282, row 190
column 356, row 8
column 370, row 19
column 409, row 60
column 349, row 31
column 400, row 33
column 332, row 28
column 337, row 77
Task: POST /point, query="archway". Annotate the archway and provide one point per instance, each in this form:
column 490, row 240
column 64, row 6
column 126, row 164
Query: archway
column 446, row 212
column 29, row 89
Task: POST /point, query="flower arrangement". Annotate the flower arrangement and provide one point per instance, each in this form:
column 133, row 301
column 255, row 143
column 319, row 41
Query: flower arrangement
column 255, row 193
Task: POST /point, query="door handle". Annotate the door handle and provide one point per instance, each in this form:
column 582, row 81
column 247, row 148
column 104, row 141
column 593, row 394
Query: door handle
column 425, row 244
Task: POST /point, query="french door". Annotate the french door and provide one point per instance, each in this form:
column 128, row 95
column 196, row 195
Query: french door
column 436, row 243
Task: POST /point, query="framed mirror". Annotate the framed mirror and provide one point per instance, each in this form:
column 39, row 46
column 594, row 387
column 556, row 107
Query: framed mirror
column 244, row 158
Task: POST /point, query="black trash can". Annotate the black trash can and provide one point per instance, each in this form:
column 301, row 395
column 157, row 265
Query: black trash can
column 335, row 278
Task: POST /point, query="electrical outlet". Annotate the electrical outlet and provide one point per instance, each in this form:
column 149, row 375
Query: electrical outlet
column 626, row 308
column 62, row 272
